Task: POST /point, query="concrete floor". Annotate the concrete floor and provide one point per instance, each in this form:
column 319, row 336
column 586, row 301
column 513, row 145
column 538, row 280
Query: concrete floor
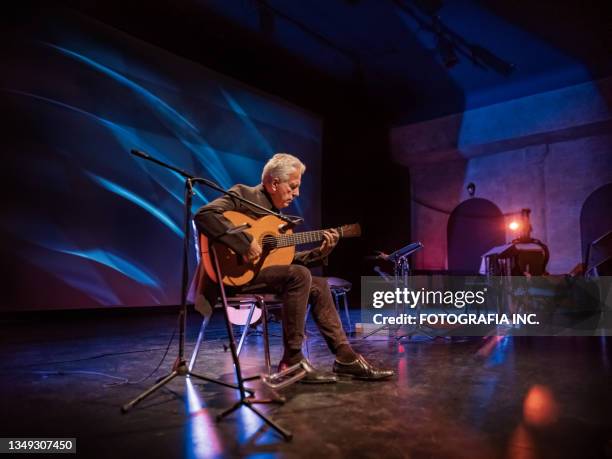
column 478, row 398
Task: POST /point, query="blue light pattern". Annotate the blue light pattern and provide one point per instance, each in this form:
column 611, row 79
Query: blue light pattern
column 98, row 100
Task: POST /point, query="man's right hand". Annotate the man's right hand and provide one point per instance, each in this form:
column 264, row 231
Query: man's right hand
column 254, row 251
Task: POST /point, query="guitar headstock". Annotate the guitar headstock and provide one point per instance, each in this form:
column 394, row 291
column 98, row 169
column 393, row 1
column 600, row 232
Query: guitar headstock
column 352, row 230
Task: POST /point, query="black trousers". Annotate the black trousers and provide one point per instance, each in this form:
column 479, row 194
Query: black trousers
column 296, row 285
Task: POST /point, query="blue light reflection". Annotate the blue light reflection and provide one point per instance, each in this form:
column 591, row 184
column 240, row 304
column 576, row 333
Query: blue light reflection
column 201, row 440
column 117, row 263
column 132, row 197
column 182, row 128
column 251, row 128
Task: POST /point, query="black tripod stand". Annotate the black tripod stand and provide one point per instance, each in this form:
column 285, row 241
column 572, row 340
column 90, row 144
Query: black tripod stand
column 247, row 401
column 180, row 364
column 180, row 367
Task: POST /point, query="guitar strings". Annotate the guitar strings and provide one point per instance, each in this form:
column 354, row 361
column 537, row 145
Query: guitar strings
column 286, row 240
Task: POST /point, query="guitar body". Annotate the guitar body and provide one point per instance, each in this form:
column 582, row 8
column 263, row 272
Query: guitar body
column 237, row 272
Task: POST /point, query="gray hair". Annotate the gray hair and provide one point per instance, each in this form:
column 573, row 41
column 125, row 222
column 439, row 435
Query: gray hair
column 281, row 166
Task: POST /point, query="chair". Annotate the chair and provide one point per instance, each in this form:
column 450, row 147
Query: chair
column 250, row 296
column 241, row 300
column 253, row 296
column 265, row 301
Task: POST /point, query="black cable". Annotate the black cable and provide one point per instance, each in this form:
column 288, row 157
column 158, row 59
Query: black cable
column 93, row 357
column 127, row 381
column 107, row 354
column 86, row 372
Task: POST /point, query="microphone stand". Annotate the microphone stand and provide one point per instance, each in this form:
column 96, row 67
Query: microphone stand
column 180, row 367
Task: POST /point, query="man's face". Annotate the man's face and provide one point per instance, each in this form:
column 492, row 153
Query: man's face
column 283, row 193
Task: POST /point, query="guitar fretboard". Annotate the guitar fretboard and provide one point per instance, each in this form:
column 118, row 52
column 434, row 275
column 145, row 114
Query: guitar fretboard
column 287, row 240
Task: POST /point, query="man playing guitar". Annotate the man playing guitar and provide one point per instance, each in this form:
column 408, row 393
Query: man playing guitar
column 280, row 185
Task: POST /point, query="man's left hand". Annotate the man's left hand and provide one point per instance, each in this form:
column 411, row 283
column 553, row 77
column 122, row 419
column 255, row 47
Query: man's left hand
column 330, row 239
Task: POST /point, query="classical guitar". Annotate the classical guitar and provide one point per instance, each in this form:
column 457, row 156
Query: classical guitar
column 277, row 243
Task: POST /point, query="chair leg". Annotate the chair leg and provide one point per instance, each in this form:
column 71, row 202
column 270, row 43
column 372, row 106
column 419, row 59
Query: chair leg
column 196, row 349
column 246, row 328
column 306, row 346
column 342, row 294
column 346, row 311
column 337, row 296
column 264, row 317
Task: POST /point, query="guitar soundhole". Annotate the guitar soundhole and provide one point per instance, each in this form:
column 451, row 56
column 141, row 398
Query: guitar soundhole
column 268, row 242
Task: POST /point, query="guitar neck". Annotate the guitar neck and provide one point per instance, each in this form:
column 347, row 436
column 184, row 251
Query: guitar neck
column 286, row 240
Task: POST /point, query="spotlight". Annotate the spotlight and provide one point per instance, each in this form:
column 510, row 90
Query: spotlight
column 514, row 225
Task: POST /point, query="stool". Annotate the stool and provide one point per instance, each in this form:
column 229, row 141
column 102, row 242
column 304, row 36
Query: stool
column 339, row 289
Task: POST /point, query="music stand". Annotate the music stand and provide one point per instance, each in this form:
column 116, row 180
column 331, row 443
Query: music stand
column 401, row 271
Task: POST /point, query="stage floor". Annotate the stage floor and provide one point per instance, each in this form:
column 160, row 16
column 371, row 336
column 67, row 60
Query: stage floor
column 476, row 398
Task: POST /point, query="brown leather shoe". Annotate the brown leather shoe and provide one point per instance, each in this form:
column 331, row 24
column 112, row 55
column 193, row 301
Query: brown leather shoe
column 362, row 369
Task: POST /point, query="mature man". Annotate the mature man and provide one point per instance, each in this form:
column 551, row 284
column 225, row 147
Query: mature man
column 280, row 185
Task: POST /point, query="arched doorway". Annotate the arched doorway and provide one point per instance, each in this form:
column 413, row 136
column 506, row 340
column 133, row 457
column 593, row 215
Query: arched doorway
column 474, row 227
column 595, row 216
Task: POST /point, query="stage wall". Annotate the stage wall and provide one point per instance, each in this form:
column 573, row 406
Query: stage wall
column 86, row 224
column 547, row 152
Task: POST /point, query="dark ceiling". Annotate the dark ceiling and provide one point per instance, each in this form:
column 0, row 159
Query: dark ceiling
column 391, row 57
